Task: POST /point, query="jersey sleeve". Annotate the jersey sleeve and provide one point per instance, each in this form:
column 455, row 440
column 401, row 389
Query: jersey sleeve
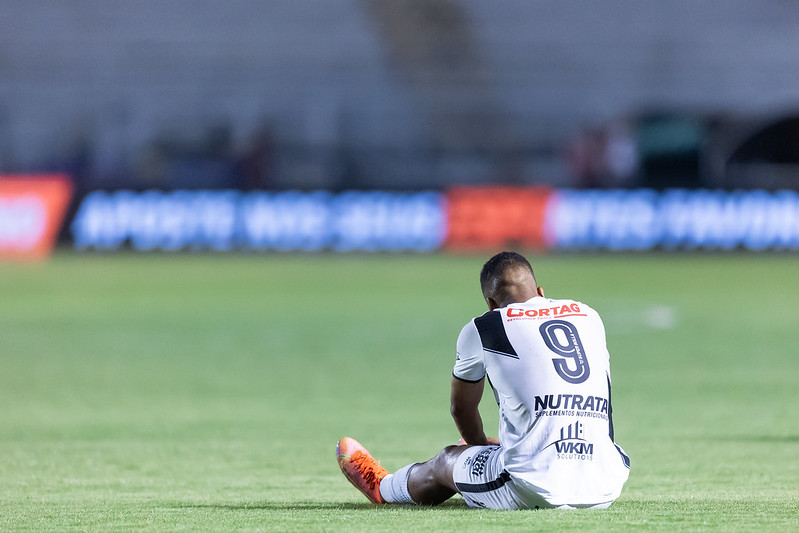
column 469, row 362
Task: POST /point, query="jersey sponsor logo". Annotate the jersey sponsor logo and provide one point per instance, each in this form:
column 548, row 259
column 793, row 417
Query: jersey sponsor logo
column 571, row 444
column 557, row 311
column 572, row 405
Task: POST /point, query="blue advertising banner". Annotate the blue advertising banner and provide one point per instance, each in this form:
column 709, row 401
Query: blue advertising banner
column 676, row 219
column 282, row 221
column 425, row 221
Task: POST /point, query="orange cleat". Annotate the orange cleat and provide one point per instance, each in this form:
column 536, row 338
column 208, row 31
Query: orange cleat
column 360, row 468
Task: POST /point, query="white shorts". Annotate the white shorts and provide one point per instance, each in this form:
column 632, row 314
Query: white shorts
column 481, row 478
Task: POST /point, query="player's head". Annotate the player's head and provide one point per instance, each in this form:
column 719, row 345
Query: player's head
column 508, row 278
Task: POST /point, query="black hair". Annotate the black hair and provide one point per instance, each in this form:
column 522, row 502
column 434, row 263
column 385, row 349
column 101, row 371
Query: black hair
column 495, row 267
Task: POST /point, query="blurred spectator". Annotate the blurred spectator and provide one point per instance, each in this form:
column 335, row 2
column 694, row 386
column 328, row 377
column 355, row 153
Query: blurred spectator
column 621, row 154
column 255, row 165
column 586, row 158
column 605, row 157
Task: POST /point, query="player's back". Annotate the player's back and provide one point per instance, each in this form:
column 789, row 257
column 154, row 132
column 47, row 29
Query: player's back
column 548, row 363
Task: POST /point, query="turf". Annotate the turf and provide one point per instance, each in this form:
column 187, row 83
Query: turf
column 206, row 392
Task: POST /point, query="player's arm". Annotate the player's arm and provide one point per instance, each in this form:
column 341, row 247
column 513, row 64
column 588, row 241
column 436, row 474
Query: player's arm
column 468, row 382
column 464, row 406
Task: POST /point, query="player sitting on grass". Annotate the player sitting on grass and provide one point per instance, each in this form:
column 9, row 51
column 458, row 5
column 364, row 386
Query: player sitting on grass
column 548, row 364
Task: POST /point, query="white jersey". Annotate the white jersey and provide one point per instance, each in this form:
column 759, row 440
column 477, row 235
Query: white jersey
column 548, row 363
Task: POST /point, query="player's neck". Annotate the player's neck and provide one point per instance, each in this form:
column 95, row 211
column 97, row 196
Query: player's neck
column 518, row 298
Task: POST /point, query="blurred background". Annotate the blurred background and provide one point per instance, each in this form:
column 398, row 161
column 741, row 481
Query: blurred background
column 400, row 95
column 204, row 391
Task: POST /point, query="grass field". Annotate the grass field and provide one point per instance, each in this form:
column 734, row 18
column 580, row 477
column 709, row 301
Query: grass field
column 207, row 392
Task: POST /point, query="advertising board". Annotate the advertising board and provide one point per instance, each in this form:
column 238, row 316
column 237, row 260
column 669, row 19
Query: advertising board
column 32, row 209
column 462, row 219
column 277, row 221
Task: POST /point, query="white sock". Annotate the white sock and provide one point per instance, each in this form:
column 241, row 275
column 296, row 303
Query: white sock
column 394, row 487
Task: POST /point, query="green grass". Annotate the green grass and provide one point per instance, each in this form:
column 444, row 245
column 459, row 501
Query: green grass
column 207, row 392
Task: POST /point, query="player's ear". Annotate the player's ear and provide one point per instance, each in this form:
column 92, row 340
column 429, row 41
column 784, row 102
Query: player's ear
column 540, row 291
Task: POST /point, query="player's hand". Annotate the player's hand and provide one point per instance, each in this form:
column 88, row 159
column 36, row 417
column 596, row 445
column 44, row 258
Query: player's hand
column 491, row 440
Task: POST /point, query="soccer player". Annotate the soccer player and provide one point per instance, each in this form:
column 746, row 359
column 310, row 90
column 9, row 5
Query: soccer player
column 548, row 365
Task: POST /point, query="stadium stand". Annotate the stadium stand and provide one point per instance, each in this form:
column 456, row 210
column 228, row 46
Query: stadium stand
column 400, row 94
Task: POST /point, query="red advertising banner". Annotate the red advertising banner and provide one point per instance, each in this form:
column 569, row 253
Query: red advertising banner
column 32, row 209
column 492, row 217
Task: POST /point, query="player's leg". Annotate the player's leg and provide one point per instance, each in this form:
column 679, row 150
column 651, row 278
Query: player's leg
column 427, row 483
column 476, row 472
column 430, row 483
